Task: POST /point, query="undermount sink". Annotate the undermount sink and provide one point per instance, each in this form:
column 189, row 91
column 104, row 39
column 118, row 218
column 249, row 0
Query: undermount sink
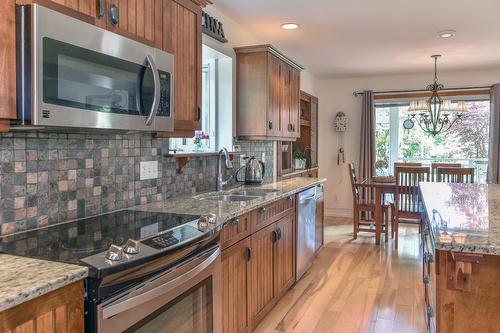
column 256, row 192
column 229, row 197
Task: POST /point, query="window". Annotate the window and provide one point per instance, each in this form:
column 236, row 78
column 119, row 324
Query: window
column 216, row 109
column 465, row 143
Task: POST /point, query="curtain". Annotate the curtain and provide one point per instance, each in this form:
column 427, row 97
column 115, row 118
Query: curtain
column 367, row 149
column 494, row 147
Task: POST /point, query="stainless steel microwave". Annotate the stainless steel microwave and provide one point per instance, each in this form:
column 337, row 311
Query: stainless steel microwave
column 72, row 74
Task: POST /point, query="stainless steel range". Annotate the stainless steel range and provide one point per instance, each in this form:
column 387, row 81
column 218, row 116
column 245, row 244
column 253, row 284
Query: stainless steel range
column 148, row 271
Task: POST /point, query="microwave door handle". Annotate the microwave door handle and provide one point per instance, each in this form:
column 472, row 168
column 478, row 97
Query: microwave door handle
column 134, row 301
column 156, row 98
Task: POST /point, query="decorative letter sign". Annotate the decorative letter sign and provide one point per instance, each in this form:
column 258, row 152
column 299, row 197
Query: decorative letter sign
column 213, row 28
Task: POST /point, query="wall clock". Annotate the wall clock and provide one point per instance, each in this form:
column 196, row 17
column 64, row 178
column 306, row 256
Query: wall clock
column 341, row 122
column 408, row 124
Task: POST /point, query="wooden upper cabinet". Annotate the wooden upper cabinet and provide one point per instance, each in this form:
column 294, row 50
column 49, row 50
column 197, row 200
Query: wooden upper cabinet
column 7, row 63
column 235, row 287
column 181, row 36
column 135, row 19
column 268, row 88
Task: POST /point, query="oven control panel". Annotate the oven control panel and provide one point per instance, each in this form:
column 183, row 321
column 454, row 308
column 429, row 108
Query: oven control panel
column 173, row 237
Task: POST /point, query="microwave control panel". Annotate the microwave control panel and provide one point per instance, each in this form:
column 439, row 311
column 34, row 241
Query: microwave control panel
column 164, row 106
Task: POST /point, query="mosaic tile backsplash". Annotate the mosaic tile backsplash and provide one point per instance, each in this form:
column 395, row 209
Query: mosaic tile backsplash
column 49, row 178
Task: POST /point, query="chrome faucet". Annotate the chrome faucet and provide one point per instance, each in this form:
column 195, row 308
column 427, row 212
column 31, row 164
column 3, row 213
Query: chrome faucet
column 223, row 153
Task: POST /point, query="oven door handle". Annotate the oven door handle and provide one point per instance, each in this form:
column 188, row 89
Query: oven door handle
column 135, row 301
column 157, row 88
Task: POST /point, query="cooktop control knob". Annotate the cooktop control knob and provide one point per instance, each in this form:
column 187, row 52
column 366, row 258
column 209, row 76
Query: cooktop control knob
column 115, row 253
column 131, row 247
column 205, row 220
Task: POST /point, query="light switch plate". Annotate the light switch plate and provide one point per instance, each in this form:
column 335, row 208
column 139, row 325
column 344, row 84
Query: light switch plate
column 149, row 170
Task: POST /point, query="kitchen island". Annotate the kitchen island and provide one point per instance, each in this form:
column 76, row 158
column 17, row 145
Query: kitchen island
column 461, row 256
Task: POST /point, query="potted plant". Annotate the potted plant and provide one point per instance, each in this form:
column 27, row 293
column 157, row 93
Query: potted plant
column 299, row 158
column 200, row 140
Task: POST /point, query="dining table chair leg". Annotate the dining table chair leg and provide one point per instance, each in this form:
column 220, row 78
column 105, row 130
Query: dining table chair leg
column 386, row 222
column 355, row 223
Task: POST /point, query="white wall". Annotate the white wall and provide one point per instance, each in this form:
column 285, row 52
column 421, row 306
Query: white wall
column 336, row 95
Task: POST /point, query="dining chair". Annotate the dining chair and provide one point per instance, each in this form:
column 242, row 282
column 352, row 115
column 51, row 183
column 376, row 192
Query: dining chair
column 455, row 175
column 405, row 165
column 367, row 206
column 435, row 165
column 407, row 201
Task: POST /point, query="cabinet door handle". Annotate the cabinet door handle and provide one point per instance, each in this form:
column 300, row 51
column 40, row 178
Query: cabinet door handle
column 270, row 124
column 101, row 9
column 249, row 253
column 275, row 236
column 279, row 233
column 289, row 198
column 262, row 210
column 198, row 113
column 113, row 14
column 235, row 221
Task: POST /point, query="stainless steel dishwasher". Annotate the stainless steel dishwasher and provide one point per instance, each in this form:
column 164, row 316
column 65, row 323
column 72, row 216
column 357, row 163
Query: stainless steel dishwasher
column 306, row 233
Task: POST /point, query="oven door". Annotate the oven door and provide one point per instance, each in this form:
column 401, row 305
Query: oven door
column 184, row 299
column 85, row 76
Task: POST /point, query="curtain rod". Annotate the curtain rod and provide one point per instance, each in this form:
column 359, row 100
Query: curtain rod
column 360, row 93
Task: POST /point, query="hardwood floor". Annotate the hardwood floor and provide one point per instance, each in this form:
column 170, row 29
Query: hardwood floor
column 355, row 286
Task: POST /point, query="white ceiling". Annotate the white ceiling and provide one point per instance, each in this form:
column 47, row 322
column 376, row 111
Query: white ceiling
column 344, row 38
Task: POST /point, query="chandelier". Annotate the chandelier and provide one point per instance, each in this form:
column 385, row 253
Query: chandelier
column 435, row 115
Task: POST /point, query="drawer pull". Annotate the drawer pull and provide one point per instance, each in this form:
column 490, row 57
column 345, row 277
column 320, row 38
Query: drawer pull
column 249, row 253
column 430, row 312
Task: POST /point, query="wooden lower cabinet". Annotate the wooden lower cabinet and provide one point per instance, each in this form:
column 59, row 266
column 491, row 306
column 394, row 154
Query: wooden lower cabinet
column 58, row 311
column 284, row 259
column 257, row 271
column 235, row 287
column 262, row 271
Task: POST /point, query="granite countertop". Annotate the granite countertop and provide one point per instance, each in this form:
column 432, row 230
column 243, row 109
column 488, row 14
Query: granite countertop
column 463, row 217
column 22, row 279
column 229, row 209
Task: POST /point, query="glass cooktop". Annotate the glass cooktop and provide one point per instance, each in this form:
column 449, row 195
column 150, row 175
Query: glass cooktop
column 72, row 241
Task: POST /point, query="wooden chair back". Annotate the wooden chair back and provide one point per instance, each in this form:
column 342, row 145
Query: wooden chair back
column 354, row 180
column 435, row 165
column 407, row 196
column 405, row 165
column 455, row 175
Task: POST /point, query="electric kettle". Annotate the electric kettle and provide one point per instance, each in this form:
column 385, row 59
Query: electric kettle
column 254, row 171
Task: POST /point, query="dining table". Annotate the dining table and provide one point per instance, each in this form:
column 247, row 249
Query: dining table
column 379, row 188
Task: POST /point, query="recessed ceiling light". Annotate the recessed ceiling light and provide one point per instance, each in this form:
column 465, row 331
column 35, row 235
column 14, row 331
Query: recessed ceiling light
column 289, row 26
column 447, row 33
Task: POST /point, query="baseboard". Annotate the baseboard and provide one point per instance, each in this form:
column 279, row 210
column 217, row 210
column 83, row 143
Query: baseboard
column 338, row 212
